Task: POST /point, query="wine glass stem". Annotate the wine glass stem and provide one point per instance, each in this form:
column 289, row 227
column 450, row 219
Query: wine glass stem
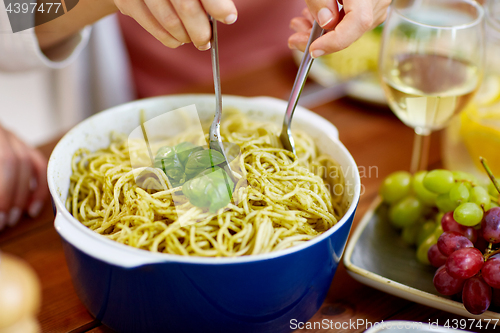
column 420, row 156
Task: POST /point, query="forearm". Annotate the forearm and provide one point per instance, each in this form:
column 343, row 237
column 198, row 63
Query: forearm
column 85, row 13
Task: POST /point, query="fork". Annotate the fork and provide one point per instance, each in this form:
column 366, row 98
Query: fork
column 305, row 65
column 215, row 141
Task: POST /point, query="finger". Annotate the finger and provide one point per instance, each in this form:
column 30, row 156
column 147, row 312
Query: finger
column 307, row 14
column 356, row 21
column 141, row 13
column 222, row 10
column 195, row 22
column 325, row 12
column 380, row 14
column 298, row 41
column 40, row 193
column 21, row 189
column 165, row 14
column 361, row 15
column 300, row 24
column 7, row 176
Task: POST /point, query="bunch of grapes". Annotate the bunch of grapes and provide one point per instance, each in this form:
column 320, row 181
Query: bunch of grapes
column 455, row 224
column 468, row 267
column 417, row 204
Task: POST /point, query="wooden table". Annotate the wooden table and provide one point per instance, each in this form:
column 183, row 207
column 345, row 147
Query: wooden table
column 379, row 142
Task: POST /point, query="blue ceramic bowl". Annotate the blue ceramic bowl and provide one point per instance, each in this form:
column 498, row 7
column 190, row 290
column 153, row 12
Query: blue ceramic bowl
column 132, row 290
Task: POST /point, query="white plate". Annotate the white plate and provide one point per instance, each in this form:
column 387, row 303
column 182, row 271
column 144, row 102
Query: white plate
column 377, row 257
column 366, row 89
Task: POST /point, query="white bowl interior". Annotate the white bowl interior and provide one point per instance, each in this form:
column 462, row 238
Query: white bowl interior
column 94, row 133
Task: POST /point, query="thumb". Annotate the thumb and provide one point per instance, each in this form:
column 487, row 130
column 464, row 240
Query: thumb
column 325, row 12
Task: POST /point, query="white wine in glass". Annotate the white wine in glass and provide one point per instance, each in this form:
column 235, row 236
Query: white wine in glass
column 431, row 64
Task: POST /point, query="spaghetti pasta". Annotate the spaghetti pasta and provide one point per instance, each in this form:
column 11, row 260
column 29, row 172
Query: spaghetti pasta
column 288, row 200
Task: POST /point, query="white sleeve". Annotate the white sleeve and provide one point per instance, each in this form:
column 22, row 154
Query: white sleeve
column 20, row 51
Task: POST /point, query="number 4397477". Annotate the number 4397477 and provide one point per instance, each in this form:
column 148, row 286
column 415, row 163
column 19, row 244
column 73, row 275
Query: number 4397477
column 471, row 323
column 33, row 7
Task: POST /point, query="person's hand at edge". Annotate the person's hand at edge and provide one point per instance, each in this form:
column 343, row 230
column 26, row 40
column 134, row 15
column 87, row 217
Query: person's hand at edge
column 23, row 179
column 172, row 22
column 343, row 28
column 175, row 22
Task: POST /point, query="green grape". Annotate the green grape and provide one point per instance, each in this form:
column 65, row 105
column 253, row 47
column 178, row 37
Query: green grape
column 439, row 230
column 468, row 214
column 492, row 190
column 480, row 196
column 445, row 204
column 468, row 185
column 424, row 247
column 409, row 234
column 405, row 212
column 396, row 186
column 439, row 217
column 425, row 231
column 460, row 175
column 493, row 204
column 439, row 181
column 459, row 192
column 423, row 194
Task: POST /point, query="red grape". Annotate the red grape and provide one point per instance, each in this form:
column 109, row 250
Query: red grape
column 446, row 284
column 449, row 224
column 491, row 225
column 491, row 272
column 481, row 244
column 464, row 263
column 436, row 258
column 451, row 241
column 476, row 295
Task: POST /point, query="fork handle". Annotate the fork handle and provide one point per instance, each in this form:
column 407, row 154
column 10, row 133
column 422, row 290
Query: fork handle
column 214, row 52
column 300, row 79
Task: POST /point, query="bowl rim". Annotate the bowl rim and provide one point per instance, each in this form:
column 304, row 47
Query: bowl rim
column 64, row 216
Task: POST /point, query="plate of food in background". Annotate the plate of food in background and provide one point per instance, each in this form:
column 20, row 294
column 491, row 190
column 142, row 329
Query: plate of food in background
column 353, row 70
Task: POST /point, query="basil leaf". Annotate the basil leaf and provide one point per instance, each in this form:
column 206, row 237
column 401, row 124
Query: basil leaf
column 168, row 160
column 164, row 152
column 201, row 160
column 211, row 189
column 185, row 149
column 172, row 160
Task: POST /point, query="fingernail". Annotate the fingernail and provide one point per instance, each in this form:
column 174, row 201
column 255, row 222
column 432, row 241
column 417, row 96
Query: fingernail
column 292, row 46
column 317, row 53
column 35, row 208
column 231, row 18
column 204, row 47
column 14, row 215
column 3, row 220
column 325, row 16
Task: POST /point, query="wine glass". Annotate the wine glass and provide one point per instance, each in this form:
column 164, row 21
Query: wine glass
column 431, row 64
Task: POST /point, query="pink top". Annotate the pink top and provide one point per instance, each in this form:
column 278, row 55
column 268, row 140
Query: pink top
column 258, row 37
